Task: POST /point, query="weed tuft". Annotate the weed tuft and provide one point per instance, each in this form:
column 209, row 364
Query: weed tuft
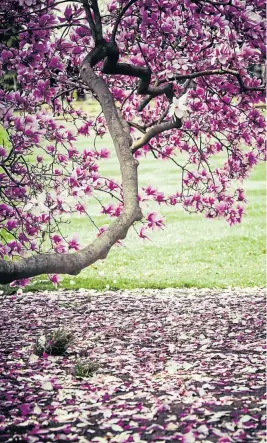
column 54, row 343
column 85, row 369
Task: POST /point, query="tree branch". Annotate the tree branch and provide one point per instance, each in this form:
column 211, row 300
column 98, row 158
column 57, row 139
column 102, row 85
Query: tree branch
column 214, row 72
column 158, row 129
column 109, row 52
column 6, row 32
column 98, row 21
column 74, row 263
column 120, row 16
column 90, row 19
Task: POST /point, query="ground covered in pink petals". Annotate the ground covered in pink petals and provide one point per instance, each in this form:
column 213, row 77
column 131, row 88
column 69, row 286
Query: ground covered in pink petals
column 174, row 366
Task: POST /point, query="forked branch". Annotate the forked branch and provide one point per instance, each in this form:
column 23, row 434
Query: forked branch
column 176, row 123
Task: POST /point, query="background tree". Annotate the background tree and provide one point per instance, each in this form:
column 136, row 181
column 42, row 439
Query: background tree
column 170, row 76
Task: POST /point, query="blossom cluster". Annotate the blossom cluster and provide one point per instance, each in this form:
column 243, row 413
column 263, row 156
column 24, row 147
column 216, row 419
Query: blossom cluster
column 205, row 49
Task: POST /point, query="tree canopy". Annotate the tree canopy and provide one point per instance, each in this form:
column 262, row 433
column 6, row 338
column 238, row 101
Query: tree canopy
column 171, row 77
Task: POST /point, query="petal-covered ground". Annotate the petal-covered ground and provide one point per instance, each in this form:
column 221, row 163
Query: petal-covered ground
column 174, row 366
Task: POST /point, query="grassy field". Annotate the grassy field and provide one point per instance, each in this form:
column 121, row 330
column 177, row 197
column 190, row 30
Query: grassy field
column 191, row 252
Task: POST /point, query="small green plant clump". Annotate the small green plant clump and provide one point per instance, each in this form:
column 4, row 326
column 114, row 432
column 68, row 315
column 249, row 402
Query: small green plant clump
column 54, row 343
column 85, row 369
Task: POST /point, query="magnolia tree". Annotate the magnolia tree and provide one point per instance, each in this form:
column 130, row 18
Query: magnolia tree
column 172, row 79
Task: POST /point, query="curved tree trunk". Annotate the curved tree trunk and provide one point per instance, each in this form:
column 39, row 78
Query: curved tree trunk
column 73, row 263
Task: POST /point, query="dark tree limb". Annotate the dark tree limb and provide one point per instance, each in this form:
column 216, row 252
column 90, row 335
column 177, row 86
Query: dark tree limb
column 120, row 16
column 90, row 19
column 109, row 52
column 207, row 73
column 98, row 21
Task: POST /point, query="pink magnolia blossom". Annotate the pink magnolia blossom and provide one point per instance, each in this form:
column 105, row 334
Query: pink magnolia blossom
column 55, row 279
column 74, row 243
column 155, row 220
column 202, row 53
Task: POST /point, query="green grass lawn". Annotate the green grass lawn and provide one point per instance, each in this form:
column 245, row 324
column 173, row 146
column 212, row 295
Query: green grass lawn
column 191, row 252
column 3, row 135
